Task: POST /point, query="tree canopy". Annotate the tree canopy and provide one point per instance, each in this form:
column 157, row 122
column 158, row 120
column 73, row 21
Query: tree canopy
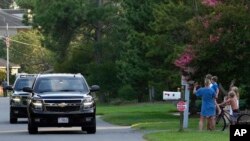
column 26, row 50
column 128, row 45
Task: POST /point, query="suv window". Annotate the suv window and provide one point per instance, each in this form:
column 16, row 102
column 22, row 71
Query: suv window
column 23, row 82
column 60, row 84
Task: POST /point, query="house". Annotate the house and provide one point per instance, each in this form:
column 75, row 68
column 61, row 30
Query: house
column 14, row 18
column 13, row 67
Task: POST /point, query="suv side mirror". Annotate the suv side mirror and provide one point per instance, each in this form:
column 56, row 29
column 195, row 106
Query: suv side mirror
column 28, row 89
column 94, row 88
column 9, row 87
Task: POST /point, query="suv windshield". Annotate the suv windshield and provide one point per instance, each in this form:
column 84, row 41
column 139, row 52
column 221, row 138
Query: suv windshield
column 23, row 82
column 60, row 84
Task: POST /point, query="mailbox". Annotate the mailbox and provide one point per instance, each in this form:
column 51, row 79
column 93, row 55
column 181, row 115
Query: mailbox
column 167, row 95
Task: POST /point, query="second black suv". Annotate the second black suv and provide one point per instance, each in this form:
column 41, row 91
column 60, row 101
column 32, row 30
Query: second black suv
column 18, row 98
column 61, row 100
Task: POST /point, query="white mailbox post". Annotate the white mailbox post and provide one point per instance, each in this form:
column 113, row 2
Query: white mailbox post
column 175, row 96
column 168, row 95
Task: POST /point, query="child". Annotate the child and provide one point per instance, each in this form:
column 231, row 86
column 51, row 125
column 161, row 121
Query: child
column 236, row 90
column 232, row 100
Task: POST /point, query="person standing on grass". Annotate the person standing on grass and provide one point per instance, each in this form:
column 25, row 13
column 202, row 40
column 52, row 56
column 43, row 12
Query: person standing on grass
column 4, row 85
column 209, row 76
column 208, row 105
column 215, row 87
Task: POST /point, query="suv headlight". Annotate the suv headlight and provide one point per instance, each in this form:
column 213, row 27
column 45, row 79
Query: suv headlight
column 88, row 102
column 37, row 104
column 16, row 99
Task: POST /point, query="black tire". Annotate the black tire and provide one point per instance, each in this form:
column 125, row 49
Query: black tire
column 243, row 119
column 12, row 118
column 220, row 123
column 33, row 129
column 91, row 129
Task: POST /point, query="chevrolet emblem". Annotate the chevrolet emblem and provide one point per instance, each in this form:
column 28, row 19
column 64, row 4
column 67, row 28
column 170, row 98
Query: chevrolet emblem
column 62, row 104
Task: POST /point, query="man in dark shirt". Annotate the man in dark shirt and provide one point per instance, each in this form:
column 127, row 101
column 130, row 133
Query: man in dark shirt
column 4, row 85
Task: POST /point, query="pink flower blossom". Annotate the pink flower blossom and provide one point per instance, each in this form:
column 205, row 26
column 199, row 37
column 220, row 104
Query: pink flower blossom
column 186, row 58
column 210, row 2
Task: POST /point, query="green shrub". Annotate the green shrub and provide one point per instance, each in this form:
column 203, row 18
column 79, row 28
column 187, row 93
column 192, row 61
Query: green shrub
column 116, row 101
column 243, row 104
column 2, row 75
column 127, row 93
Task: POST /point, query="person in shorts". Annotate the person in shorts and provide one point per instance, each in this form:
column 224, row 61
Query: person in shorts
column 208, row 107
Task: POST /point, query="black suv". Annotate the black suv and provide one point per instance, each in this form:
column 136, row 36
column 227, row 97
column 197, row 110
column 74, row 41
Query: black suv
column 61, row 100
column 18, row 98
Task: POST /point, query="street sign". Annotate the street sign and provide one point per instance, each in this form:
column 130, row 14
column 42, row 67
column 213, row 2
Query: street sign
column 181, row 106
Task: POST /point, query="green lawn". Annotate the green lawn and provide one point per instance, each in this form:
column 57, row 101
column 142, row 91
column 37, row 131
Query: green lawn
column 160, row 122
column 187, row 136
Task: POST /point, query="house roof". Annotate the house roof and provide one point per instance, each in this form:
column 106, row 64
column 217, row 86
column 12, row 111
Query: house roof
column 3, row 63
column 12, row 17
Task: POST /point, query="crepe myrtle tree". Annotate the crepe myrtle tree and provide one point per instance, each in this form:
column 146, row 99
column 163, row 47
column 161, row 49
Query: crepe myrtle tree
column 220, row 39
column 183, row 61
column 210, row 2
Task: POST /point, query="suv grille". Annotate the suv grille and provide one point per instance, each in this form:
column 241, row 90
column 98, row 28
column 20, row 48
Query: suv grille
column 62, row 101
column 62, row 105
column 24, row 100
column 63, row 109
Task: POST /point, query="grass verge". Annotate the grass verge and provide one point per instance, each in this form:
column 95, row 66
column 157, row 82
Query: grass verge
column 159, row 120
column 187, row 136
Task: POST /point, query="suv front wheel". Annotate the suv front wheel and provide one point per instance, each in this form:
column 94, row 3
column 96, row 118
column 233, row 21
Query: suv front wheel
column 12, row 118
column 31, row 127
column 91, row 129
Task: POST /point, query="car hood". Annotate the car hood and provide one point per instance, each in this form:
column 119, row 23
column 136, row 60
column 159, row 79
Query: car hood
column 62, row 95
column 18, row 93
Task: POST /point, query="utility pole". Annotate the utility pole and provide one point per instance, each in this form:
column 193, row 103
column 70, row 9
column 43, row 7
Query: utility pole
column 7, row 50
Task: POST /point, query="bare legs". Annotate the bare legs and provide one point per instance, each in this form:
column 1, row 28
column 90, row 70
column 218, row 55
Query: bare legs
column 210, row 122
column 201, row 122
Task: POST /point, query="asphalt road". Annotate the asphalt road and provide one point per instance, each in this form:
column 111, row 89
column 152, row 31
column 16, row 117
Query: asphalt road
column 18, row 132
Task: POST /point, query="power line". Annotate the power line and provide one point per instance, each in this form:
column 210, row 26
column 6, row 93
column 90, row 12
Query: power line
column 40, row 47
column 24, row 43
column 20, row 42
